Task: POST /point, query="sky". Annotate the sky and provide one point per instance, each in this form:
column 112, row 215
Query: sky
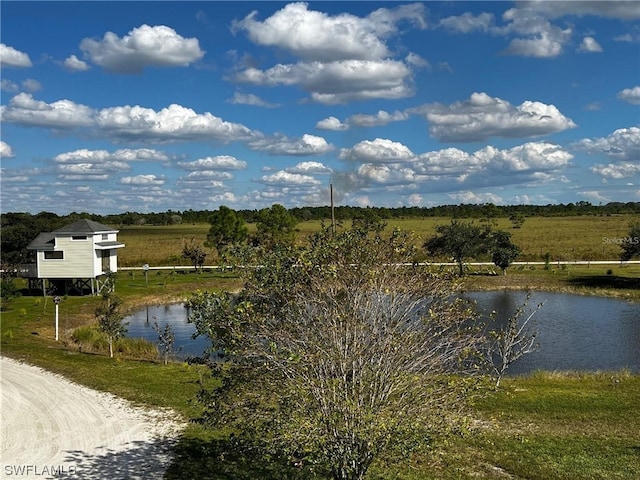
column 109, row 107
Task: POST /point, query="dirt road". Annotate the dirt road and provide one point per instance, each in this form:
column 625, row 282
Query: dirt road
column 53, row 428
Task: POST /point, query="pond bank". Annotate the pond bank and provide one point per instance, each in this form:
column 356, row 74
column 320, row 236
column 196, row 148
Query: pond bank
column 594, row 282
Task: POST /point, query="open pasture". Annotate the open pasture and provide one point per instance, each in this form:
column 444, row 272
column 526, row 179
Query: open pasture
column 564, row 238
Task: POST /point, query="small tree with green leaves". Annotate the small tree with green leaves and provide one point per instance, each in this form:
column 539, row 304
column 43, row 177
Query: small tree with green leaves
column 108, row 313
column 458, row 240
column 503, row 251
column 275, row 227
column 227, row 228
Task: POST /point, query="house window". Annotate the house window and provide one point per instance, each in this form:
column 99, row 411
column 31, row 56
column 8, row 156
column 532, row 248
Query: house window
column 105, row 236
column 59, row 255
column 79, row 237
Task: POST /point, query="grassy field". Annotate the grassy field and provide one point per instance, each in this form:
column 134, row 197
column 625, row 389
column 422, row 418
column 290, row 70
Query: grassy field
column 541, row 426
column 564, row 238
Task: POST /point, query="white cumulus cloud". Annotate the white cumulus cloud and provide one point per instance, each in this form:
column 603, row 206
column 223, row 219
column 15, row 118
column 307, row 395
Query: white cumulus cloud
column 338, row 81
column 450, row 168
column 143, row 180
column 481, row 117
column 622, row 145
column 631, row 95
column 589, row 45
column 99, row 156
column 286, row 178
column 173, row 123
column 208, row 176
column 281, row 145
column 331, row 123
column 317, row 36
column 379, row 119
column 144, row 46
column 10, row 57
column 219, row 162
column 378, row 150
column 617, row 170
column 310, row 168
column 24, row 109
column 533, row 156
column 74, row 64
column 90, row 171
column 5, row 150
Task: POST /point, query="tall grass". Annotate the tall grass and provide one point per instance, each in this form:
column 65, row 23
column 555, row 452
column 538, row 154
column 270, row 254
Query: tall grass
column 89, row 339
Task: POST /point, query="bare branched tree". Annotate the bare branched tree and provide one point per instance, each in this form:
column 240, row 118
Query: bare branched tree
column 516, row 339
column 340, row 352
column 108, row 313
column 194, row 252
column 166, row 340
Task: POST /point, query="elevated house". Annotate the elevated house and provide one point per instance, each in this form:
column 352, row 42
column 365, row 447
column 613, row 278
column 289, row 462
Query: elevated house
column 74, row 258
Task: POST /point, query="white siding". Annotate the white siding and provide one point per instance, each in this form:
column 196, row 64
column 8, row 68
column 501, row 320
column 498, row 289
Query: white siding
column 113, row 261
column 78, row 260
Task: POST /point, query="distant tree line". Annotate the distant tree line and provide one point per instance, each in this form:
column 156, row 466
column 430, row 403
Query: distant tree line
column 343, row 213
column 301, row 214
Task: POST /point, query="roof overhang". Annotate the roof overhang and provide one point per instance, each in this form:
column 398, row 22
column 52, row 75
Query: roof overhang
column 108, row 245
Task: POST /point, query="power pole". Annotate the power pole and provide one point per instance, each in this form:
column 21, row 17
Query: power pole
column 333, row 215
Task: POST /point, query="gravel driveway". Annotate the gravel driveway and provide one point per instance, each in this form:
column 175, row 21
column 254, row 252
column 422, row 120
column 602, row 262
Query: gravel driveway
column 53, row 428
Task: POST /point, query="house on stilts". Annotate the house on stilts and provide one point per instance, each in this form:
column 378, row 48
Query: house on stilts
column 73, row 259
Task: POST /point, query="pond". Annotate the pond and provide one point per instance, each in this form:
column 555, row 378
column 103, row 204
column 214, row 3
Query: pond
column 575, row 332
column 141, row 326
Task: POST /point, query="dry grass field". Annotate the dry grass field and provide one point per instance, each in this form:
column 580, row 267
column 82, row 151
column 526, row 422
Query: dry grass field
column 564, row 238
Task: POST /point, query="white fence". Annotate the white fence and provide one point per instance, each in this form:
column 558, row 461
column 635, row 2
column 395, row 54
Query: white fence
column 435, row 264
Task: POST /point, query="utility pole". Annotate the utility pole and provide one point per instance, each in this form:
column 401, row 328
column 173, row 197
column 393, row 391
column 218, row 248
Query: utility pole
column 333, row 215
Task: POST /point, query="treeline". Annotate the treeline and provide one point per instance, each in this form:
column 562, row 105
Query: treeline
column 349, row 213
column 46, row 221
column 342, row 213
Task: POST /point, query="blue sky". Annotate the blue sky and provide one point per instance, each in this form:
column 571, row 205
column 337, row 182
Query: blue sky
column 110, row 107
